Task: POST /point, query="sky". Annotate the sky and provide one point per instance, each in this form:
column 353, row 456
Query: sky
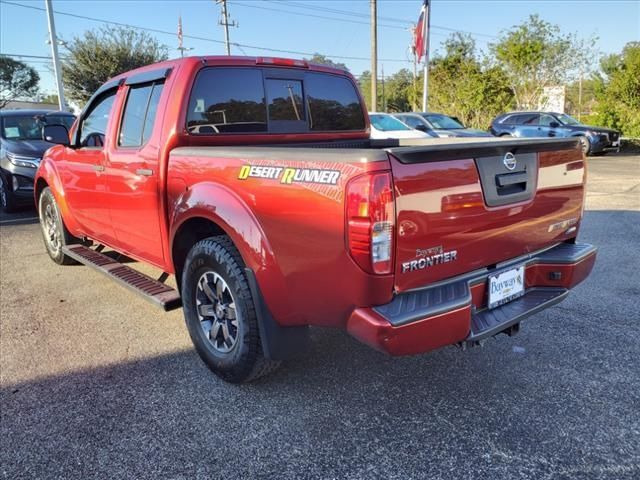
column 336, row 28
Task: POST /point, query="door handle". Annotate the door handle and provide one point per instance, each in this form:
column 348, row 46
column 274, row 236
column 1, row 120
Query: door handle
column 147, row 172
column 98, row 168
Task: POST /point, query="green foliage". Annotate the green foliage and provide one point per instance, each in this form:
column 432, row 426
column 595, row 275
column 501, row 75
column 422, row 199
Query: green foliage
column 462, row 86
column 50, row 98
column 399, row 92
column 364, row 82
column 320, row 59
column 535, row 55
column 98, row 55
column 17, row 81
column 618, row 91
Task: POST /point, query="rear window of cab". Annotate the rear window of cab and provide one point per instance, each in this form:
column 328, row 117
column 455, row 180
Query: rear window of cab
column 229, row 100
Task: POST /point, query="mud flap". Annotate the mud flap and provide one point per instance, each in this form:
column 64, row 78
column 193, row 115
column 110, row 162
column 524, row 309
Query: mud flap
column 278, row 343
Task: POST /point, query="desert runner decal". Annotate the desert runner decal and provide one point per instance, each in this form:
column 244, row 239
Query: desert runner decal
column 288, row 175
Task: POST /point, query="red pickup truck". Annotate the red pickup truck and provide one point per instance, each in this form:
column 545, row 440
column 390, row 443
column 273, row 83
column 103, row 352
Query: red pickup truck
column 255, row 183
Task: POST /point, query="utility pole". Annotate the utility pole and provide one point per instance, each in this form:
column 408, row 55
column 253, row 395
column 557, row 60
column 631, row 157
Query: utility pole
column 224, row 21
column 384, row 100
column 580, row 96
column 374, row 56
column 54, row 56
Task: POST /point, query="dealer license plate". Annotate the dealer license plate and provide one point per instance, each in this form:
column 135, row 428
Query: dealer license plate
column 506, row 286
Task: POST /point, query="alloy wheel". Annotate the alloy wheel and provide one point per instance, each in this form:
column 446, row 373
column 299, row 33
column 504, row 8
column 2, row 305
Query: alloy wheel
column 50, row 228
column 216, row 310
column 3, row 193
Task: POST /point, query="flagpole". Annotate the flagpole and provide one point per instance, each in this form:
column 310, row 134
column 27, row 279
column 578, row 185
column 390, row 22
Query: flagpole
column 426, row 25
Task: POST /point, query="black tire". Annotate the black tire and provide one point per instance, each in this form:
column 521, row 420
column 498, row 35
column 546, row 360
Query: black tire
column 54, row 232
column 7, row 198
column 585, row 143
column 213, row 281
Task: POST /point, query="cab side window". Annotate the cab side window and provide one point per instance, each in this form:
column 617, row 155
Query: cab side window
column 546, row 120
column 411, row 121
column 139, row 114
column 94, row 125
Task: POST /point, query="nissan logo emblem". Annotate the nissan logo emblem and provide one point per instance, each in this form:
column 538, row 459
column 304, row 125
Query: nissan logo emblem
column 510, row 161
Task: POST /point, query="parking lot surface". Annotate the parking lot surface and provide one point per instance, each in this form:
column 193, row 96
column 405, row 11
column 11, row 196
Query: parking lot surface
column 96, row 383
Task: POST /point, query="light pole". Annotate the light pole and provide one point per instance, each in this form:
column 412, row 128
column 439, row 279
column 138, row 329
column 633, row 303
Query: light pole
column 54, row 55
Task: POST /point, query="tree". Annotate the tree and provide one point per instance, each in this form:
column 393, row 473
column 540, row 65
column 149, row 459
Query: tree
column 364, row 82
column 535, row 55
column 320, row 59
column 50, row 98
column 463, row 86
column 617, row 90
column 101, row 54
column 400, row 91
column 17, row 80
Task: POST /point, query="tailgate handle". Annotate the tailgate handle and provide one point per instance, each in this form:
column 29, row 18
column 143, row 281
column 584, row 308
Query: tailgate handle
column 147, row 172
column 511, row 179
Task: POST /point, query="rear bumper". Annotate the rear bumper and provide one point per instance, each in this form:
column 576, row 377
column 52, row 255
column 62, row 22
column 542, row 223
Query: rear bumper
column 454, row 312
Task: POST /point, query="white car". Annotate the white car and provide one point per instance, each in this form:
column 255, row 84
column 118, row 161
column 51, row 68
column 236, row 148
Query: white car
column 384, row 126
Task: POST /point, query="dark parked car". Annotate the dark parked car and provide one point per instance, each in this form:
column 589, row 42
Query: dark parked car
column 439, row 125
column 595, row 140
column 21, row 148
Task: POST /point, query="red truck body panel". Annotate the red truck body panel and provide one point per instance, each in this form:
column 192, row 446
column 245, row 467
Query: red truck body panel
column 442, row 204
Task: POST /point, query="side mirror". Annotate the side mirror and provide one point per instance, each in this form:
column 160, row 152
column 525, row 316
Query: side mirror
column 422, row 127
column 56, row 134
column 554, row 124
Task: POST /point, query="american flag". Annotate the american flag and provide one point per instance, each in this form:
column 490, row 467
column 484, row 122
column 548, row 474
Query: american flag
column 420, row 31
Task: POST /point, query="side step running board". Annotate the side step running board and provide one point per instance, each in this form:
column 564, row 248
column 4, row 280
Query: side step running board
column 154, row 291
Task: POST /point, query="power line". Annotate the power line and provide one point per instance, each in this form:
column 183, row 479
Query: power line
column 315, row 16
column 165, row 32
column 339, row 12
column 362, row 15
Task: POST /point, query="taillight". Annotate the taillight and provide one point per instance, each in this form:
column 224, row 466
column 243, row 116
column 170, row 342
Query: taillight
column 371, row 221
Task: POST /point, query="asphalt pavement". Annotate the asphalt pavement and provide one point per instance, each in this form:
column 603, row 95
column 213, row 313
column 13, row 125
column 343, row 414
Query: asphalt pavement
column 97, row 383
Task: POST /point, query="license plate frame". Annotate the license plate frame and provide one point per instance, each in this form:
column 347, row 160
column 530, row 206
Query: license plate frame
column 505, row 286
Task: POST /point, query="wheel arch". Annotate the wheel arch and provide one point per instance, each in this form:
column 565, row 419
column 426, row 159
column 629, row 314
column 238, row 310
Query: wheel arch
column 190, row 232
column 208, row 209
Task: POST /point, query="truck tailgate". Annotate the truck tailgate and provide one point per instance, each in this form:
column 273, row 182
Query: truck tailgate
column 468, row 205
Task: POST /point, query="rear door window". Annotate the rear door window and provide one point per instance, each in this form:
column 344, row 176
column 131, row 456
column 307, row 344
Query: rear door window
column 227, row 100
column 139, row 114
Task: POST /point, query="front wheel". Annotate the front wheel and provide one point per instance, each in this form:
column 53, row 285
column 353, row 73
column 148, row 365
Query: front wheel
column 54, row 233
column 7, row 200
column 220, row 314
column 585, row 143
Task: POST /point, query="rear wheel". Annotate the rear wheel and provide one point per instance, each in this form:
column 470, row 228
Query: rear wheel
column 7, row 199
column 220, row 314
column 54, row 233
